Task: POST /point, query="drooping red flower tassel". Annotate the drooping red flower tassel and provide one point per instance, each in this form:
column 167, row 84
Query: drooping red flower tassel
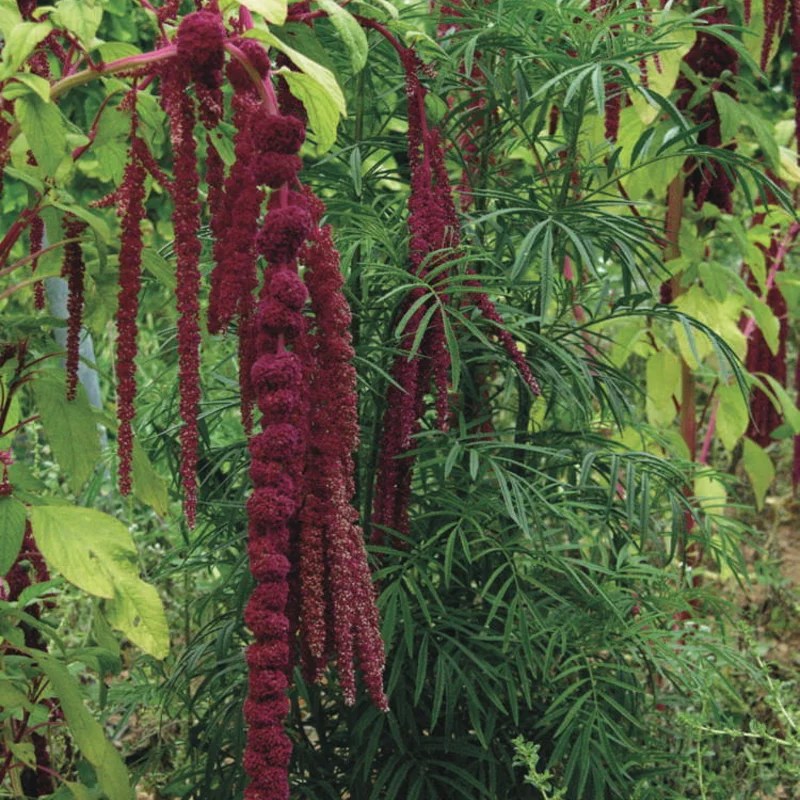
column 348, row 606
column 710, row 57
column 73, row 269
column 774, row 13
column 180, row 109
column 434, row 240
column 36, row 239
column 131, row 197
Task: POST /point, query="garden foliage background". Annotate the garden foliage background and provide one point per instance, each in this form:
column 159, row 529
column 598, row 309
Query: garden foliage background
column 588, row 600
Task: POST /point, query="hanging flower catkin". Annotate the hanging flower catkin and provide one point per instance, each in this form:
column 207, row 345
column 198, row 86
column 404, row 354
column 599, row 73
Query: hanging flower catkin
column 130, row 207
column 73, row 270
column 434, row 243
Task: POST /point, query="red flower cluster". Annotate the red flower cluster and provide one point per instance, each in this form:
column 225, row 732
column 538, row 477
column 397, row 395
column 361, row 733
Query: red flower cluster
column 337, row 594
column 130, row 207
column 709, row 58
column 434, row 240
column 180, row 109
column 73, row 269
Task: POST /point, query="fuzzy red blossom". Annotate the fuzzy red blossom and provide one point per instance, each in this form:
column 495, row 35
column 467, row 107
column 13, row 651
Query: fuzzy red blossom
column 132, row 212
column 434, row 241
column 336, row 586
column 186, row 222
column 794, row 24
column 709, row 58
column 277, row 133
column 258, row 57
column 36, row 239
column 73, row 269
column 613, row 109
column 200, row 42
column 283, row 233
column 774, row 14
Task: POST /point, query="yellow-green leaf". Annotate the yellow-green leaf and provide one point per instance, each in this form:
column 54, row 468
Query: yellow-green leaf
column 148, row 486
column 274, row 11
column 12, row 531
column 759, row 468
column 733, row 416
column 350, row 32
column 70, row 428
column 663, row 386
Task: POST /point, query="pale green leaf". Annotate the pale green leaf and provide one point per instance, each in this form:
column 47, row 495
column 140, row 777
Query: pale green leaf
column 20, row 43
column 70, row 428
column 96, row 553
column 322, row 75
column 148, row 486
column 45, row 129
column 81, row 17
column 12, row 531
column 350, row 32
column 24, row 83
column 137, row 611
column 273, row 11
column 663, row 386
column 87, row 732
column 759, row 468
column 323, row 116
column 732, row 415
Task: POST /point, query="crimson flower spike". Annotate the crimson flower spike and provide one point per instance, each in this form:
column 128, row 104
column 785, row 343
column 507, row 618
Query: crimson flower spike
column 434, row 240
column 130, row 207
column 73, row 269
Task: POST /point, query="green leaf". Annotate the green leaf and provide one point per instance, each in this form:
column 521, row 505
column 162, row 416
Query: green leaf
column 137, row 611
column 20, row 43
column 45, row 128
column 733, row 416
column 734, row 115
column 12, row 531
column 12, row 698
column 87, row 732
column 70, row 428
column 323, row 115
column 24, row 752
column 96, row 553
column 759, row 468
column 81, row 17
column 327, row 91
column 663, row 385
column 274, row 11
column 95, row 222
column 24, row 83
column 148, row 486
column 159, row 268
column 767, row 322
column 350, row 32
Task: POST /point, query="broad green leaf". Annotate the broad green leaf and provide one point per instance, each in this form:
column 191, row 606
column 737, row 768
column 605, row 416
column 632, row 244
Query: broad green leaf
column 663, row 386
column 81, row 17
column 12, row 698
column 148, row 486
column 789, row 170
column 12, row 531
column 734, row 115
column 663, row 74
column 24, row 752
column 784, row 403
column 112, row 774
column 350, row 32
column 759, row 468
column 273, row 11
column 96, row 553
column 79, row 791
column 137, row 611
column 767, row 322
column 710, row 494
column 732, row 415
column 323, row 115
column 9, row 17
column 322, row 75
column 20, row 43
column 24, row 83
column 94, row 221
column 45, row 129
column 70, row 428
